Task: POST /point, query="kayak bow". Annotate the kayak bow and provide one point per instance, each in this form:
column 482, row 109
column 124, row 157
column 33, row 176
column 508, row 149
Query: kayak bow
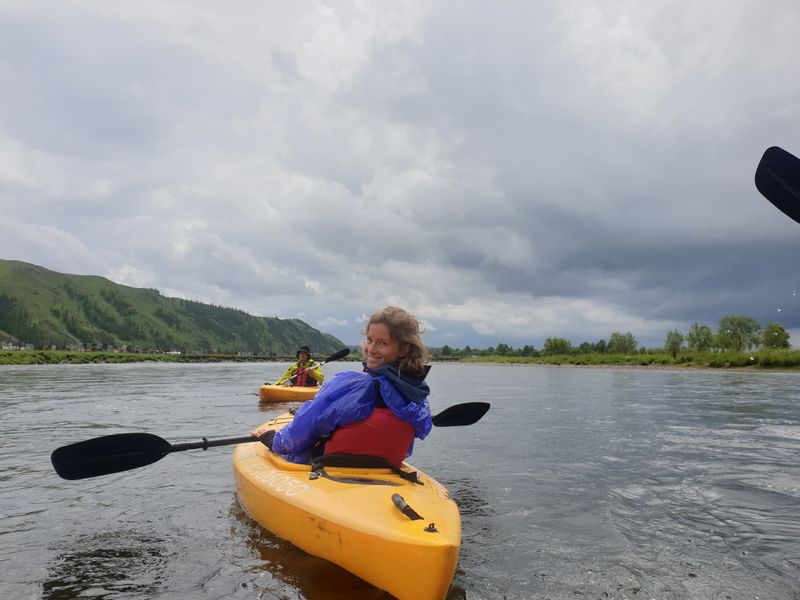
column 400, row 529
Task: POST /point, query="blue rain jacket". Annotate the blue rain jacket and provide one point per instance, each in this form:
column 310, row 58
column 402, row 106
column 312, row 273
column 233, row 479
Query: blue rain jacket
column 349, row 397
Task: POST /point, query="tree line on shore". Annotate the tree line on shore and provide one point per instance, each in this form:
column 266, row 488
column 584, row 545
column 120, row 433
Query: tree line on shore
column 731, row 345
column 735, row 333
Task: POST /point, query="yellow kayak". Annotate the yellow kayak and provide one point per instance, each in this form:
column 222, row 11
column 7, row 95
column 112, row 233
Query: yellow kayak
column 400, row 531
column 279, row 393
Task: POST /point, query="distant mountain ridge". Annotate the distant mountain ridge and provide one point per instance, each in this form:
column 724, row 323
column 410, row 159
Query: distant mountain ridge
column 46, row 308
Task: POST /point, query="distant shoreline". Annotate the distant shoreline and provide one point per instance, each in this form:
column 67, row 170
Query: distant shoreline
column 62, row 357
column 650, row 367
column 51, row 357
column 760, row 361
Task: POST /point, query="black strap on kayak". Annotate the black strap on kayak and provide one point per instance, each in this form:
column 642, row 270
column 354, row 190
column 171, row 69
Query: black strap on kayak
column 404, row 508
column 352, row 461
column 352, row 480
column 358, row 461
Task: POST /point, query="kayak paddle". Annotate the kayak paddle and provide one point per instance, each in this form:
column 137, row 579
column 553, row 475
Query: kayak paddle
column 778, row 179
column 125, row 451
column 461, row 414
column 122, row 452
column 335, row 356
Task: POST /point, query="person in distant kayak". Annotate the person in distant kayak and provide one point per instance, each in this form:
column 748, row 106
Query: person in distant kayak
column 306, row 372
column 377, row 412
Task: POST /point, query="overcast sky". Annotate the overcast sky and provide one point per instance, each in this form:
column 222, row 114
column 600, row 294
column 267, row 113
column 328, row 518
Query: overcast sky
column 507, row 171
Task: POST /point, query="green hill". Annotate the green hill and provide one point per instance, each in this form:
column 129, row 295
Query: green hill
column 47, row 309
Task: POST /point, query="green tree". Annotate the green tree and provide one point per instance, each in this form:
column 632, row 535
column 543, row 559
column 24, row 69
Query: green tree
column 528, row 350
column 556, row 345
column 621, row 343
column 739, row 332
column 775, row 336
column 700, row 338
column 716, row 343
column 601, row 347
column 446, row 350
column 673, row 342
column 503, row 349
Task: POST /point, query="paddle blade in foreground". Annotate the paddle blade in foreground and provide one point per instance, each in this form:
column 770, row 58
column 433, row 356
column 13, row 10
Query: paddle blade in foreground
column 108, row 454
column 461, row 414
column 778, row 179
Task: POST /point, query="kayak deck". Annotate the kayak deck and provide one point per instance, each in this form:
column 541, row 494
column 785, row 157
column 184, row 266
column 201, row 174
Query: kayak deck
column 353, row 517
column 279, row 393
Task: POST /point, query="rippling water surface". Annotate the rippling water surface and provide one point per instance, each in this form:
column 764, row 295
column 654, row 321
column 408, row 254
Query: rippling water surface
column 579, row 483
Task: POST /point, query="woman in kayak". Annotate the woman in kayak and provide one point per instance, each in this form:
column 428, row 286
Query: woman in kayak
column 378, row 412
column 304, row 373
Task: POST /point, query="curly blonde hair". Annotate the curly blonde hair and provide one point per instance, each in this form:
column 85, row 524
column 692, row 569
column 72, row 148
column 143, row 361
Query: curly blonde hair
column 406, row 329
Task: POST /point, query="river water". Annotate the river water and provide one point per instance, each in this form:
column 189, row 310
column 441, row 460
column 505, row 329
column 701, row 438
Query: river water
column 578, row 483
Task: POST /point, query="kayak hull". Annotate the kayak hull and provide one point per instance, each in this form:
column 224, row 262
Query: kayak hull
column 348, row 516
column 279, row 393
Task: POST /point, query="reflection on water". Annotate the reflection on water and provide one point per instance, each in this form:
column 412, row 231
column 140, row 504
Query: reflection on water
column 278, row 407
column 283, row 564
column 469, row 495
column 475, row 511
column 104, row 565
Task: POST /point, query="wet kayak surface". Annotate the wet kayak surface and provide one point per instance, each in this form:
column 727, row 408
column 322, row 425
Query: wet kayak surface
column 598, row 483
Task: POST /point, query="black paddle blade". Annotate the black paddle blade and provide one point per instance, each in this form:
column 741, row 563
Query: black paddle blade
column 778, row 179
column 108, row 454
column 461, row 414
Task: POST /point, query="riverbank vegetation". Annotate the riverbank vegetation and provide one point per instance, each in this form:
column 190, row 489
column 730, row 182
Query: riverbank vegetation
column 739, row 342
column 762, row 359
column 45, row 310
column 51, row 357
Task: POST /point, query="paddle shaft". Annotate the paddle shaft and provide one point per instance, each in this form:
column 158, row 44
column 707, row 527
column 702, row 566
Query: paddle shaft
column 125, row 451
column 206, row 444
column 458, row 414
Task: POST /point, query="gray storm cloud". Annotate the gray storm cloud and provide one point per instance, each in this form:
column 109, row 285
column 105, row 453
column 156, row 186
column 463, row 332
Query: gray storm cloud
column 564, row 168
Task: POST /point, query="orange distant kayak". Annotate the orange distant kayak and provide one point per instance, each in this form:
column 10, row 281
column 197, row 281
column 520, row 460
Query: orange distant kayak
column 399, row 530
column 279, row 393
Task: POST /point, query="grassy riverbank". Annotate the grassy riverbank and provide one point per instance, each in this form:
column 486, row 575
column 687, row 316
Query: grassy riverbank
column 762, row 359
column 50, row 357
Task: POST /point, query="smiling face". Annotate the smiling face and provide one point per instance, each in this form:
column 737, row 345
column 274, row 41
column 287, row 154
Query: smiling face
column 380, row 348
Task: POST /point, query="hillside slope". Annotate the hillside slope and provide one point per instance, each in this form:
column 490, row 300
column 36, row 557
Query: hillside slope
column 46, row 309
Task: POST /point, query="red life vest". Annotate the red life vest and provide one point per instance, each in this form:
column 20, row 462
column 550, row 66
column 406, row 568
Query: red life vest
column 304, row 378
column 380, row 434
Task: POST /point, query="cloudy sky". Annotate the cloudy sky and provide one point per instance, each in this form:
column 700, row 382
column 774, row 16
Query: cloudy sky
column 508, row 171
